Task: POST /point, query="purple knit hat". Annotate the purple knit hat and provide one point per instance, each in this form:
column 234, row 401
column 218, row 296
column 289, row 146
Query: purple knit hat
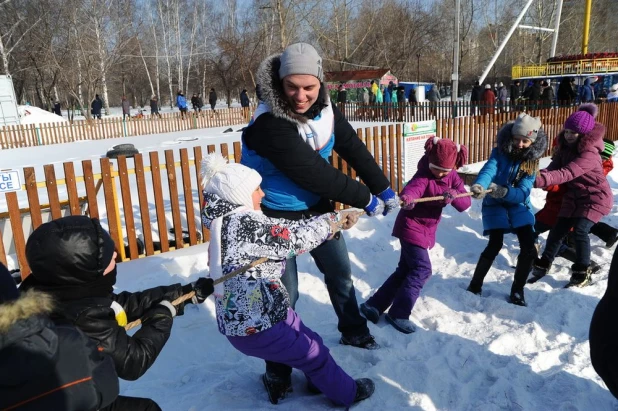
column 582, row 121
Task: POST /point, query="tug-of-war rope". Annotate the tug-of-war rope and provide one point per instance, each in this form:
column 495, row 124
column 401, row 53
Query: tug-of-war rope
column 252, row 264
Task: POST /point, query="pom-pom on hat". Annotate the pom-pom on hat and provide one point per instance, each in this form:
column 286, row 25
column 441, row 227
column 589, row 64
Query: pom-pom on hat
column 487, row 86
column 444, row 154
column 301, row 58
column 232, row 182
column 582, row 121
column 527, row 126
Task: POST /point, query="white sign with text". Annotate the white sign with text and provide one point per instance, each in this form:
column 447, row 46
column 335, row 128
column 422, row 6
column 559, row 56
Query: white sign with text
column 9, row 181
column 414, row 137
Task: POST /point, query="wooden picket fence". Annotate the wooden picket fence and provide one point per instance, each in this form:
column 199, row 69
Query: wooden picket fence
column 114, row 127
column 168, row 196
column 406, row 112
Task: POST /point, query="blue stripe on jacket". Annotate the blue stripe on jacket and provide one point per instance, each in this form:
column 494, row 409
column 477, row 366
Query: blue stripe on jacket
column 281, row 193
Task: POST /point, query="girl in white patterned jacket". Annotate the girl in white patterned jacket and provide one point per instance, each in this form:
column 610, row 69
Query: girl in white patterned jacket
column 253, row 309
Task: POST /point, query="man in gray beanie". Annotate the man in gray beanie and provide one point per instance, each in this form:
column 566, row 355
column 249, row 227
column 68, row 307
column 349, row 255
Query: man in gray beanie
column 289, row 141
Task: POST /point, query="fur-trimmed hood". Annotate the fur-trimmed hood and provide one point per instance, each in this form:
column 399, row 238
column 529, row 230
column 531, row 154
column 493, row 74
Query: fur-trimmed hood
column 534, row 152
column 592, row 141
column 29, row 304
column 271, row 91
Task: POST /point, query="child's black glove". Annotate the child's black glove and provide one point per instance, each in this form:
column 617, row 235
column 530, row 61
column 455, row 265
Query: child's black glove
column 203, row 287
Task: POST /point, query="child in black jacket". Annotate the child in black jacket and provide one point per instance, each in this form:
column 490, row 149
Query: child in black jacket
column 47, row 366
column 73, row 259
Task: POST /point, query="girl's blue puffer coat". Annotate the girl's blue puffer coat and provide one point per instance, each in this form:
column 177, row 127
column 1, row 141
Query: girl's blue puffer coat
column 513, row 210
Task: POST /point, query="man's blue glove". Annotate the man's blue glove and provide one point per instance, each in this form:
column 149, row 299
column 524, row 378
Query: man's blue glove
column 375, row 206
column 391, row 201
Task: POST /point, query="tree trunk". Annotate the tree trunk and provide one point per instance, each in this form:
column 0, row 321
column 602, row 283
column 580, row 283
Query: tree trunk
column 282, row 33
column 204, row 83
column 5, row 58
column 157, row 76
column 166, row 37
column 193, row 30
column 145, row 67
column 102, row 66
column 179, row 48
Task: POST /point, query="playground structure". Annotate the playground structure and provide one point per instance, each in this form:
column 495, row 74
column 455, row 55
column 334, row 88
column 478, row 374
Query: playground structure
column 579, row 66
column 569, row 68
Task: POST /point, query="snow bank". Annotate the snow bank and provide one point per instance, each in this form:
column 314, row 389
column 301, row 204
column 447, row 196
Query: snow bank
column 35, row 115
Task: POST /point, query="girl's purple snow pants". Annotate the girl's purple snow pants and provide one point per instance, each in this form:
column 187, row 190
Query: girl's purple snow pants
column 401, row 290
column 290, row 342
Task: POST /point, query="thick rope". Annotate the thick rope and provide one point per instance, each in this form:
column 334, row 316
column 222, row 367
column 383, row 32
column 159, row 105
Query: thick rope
column 437, row 198
column 252, row 264
column 191, row 294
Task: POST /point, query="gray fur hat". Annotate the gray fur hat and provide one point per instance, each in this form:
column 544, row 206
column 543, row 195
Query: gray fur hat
column 527, row 126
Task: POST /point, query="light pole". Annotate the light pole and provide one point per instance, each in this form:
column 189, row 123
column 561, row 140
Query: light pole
column 455, row 77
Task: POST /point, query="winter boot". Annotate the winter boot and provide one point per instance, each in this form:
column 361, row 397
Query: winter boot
column 370, row 313
column 401, row 324
column 594, row 267
column 276, row 387
column 524, row 264
column 540, row 268
column 580, row 276
column 481, row 270
column 517, row 296
column 612, row 239
column 606, row 233
column 364, row 389
column 569, row 254
column 360, row 341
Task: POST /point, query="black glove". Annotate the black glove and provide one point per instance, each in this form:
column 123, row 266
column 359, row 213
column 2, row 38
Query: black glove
column 203, row 287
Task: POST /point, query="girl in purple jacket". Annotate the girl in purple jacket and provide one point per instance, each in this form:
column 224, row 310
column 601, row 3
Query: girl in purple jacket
column 576, row 163
column 416, row 227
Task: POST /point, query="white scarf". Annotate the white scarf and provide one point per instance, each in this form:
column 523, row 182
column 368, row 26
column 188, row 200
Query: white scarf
column 316, row 133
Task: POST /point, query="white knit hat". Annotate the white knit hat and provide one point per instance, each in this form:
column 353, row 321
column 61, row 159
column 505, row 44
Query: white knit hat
column 232, row 182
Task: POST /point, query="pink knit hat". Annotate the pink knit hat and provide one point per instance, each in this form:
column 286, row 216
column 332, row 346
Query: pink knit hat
column 444, row 154
column 582, row 121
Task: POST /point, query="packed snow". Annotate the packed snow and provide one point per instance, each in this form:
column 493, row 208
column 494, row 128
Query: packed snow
column 468, row 353
column 116, row 111
column 35, row 115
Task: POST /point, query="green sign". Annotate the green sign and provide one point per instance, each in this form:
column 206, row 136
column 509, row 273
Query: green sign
column 419, row 127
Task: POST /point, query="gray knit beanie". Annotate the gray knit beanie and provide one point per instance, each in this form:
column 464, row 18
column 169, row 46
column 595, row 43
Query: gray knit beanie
column 301, row 58
column 527, row 126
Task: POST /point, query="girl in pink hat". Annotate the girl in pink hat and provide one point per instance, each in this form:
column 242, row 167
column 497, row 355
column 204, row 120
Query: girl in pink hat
column 576, row 163
column 416, row 227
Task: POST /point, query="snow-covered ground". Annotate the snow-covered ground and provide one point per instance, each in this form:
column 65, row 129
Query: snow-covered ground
column 35, row 115
column 469, row 352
